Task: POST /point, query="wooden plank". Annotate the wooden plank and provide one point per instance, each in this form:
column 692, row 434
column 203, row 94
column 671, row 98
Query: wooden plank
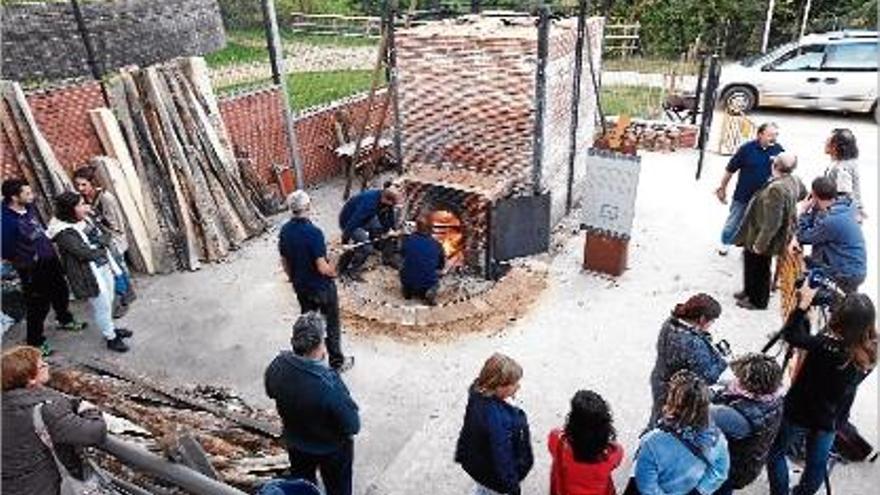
column 127, row 189
column 248, row 423
column 29, row 147
column 41, row 201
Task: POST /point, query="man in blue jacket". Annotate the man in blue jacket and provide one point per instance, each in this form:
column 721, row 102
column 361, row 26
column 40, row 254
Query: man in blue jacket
column 365, row 217
column 423, row 259
column 27, row 248
column 319, row 416
column 752, row 162
column 830, row 224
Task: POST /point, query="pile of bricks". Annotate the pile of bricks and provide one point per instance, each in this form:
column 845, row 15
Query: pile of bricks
column 658, row 136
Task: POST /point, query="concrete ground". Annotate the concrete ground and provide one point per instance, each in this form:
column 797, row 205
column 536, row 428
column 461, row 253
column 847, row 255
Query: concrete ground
column 223, row 324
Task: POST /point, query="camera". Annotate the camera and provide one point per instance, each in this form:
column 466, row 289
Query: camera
column 827, row 290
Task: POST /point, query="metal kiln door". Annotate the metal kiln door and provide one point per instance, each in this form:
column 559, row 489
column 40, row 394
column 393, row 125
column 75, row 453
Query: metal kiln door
column 520, row 226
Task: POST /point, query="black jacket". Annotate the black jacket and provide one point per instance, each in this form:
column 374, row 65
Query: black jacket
column 76, row 255
column 318, row 414
column 494, row 446
column 749, row 454
column 28, row 467
column 819, row 391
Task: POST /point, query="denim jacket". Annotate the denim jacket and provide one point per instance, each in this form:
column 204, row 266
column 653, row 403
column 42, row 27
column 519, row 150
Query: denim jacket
column 665, row 466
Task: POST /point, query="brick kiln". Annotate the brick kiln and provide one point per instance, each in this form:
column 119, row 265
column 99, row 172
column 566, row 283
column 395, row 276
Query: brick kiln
column 470, row 94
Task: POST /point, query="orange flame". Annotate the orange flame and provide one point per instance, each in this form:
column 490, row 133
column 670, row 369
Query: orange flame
column 447, row 229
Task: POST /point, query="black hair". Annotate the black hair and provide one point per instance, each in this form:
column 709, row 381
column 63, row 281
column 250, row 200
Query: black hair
column 65, row 206
column 853, row 319
column 12, row 188
column 88, row 172
column 824, row 188
column 589, row 428
column 843, row 145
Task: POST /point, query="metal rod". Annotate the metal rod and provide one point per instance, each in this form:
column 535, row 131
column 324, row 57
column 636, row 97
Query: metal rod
column 94, row 66
column 700, row 72
column 276, row 59
column 576, row 99
column 540, row 96
column 182, row 476
column 393, row 86
column 708, row 110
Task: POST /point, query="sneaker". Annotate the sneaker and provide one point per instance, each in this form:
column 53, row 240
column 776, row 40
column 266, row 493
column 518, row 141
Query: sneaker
column 72, row 326
column 723, row 250
column 746, row 304
column 347, row 364
column 431, row 296
column 740, row 295
column 45, row 350
column 117, row 345
column 123, row 333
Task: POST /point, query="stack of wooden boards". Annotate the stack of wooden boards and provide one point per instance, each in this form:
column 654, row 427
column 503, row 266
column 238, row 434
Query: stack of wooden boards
column 169, row 162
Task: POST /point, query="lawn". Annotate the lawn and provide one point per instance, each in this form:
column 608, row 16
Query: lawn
column 644, row 65
column 310, row 89
column 636, row 101
column 243, row 46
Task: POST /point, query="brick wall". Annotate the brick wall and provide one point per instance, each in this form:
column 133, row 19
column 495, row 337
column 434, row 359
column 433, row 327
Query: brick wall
column 62, row 114
column 255, row 121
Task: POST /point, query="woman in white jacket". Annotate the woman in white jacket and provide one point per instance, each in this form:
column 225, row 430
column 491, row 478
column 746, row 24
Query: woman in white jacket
column 88, row 264
column 844, row 171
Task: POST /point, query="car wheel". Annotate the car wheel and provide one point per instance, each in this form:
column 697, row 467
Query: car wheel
column 739, row 99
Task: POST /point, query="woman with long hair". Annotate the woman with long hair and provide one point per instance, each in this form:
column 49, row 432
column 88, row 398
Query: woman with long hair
column 843, row 150
column 685, row 454
column 837, row 359
column 685, row 343
column 494, row 446
column 28, row 464
column 585, row 452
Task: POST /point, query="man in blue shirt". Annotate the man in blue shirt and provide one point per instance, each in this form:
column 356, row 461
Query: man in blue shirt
column 304, row 257
column 423, row 258
column 368, row 217
column 752, row 162
column 319, row 416
column 831, row 225
column 27, row 248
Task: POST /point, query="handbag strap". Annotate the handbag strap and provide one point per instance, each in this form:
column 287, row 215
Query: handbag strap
column 690, row 446
column 44, row 436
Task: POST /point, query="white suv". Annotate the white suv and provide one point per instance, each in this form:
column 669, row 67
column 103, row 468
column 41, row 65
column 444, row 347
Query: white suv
column 831, row 71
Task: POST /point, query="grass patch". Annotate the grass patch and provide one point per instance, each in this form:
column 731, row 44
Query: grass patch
column 635, row 101
column 650, row 66
column 311, row 89
column 244, row 46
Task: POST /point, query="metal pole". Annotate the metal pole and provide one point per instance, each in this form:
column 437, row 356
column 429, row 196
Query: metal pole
column 94, row 65
column 708, row 110
column 182, row 476
column 276, row 59
column 700, row 72
column 393, row 84
column 576, row 100
column 476, row 8
column 806, row 16
column 767, row 26
column 540, row 96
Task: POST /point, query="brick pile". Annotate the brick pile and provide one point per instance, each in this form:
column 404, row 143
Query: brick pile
column 652, row 135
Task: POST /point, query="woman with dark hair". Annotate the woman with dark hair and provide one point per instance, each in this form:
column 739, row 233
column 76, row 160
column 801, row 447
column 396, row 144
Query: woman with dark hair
column 685, row 344
column 836, row 360
column 28, row 465
column 685, row 454
column 87, row 261
column 844, row 171
column 749, row 412
column 585, row 452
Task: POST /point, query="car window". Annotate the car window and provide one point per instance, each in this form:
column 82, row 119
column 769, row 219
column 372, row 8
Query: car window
column 852, row 56
column 807, row 57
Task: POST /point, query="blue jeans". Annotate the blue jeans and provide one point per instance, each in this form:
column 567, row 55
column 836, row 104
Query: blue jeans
column 819, row 444
column 734, row 220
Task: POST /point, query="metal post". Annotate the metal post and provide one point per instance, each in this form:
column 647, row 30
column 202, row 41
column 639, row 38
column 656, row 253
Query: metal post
column 184, row 477
column 393, row 84
column 476, row 8
column 708, row 110
column 94, row 65
column 806, row 17
column 540, row 96
column 276, row 59
column 576, row 99
column 698, row 91
column 769, row 21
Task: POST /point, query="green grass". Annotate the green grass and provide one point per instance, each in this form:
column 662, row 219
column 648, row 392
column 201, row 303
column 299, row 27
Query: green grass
column 311, row 89
column 635, row 101
column 244, row 46
column 650, row 65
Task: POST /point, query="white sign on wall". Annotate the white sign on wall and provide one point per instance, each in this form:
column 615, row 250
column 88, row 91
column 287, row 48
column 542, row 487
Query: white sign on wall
column 611, row 187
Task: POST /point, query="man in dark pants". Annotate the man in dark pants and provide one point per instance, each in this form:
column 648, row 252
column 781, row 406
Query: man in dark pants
column 319, row 416
column 367, row 217
column 30, row 252
column 304, row 257
column 752, row 162
column 766, row 230
column 423, row 258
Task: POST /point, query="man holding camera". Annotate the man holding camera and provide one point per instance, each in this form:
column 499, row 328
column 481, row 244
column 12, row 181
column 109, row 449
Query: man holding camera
column 830, row 224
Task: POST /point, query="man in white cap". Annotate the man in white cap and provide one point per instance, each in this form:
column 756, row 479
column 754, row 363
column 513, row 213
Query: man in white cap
column 304, row 257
